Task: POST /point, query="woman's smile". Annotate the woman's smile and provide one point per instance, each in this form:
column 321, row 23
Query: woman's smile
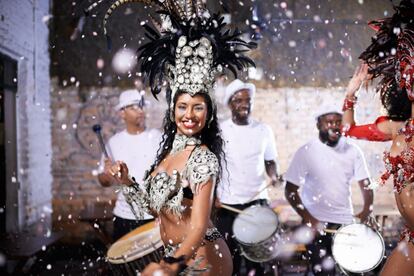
column 190, row 114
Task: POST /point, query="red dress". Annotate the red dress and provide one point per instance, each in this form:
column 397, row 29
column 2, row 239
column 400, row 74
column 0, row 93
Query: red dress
column 401, row 167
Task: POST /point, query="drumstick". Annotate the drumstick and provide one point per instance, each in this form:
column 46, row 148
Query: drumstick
column 97, row 129
column 256, row 194
column 333, row 231
column 267, row 186
column 238, row 211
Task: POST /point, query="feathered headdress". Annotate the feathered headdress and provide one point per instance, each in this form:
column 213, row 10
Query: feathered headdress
column 391, row 53
column 187, row 47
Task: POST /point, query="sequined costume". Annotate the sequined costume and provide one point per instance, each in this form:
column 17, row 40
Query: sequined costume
column 165, row 193
column 401, row 167
column 407, row 235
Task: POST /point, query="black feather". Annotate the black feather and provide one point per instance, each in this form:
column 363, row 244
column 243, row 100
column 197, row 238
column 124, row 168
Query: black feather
column 380, row 54
column 159, row 51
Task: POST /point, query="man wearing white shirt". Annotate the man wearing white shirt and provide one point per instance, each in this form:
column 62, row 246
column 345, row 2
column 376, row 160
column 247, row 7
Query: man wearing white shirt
column 323, row 169
column 136, row 146
column 250, row 154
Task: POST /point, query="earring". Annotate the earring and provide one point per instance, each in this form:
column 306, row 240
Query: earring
column 171, row 115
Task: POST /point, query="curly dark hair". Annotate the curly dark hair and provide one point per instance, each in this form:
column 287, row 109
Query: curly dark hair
column 395, row 101
column 210, row 135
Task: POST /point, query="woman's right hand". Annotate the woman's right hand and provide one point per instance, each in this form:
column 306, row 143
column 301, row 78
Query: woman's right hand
column 360, row 75
column 118, row 171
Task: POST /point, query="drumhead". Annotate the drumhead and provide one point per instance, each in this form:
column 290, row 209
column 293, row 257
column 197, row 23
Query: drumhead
column 255, row 224
column 358, row 248
column 135, row 244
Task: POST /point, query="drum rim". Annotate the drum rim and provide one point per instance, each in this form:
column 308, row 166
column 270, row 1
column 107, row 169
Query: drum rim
column 382, row 253
column 258, row 260
column 261, row 241
column 126, row 258
column 132, row 256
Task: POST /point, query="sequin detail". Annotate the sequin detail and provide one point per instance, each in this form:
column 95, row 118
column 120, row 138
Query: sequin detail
column 401, row 167
column 165, row 192
column 182, row 141
column 407, row 235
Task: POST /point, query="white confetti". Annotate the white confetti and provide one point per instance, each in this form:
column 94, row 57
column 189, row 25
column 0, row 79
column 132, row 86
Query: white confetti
column 124, row 60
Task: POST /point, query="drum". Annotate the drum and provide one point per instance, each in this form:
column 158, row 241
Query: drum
column 132, row 252
column 256, row 231
column 357, row 248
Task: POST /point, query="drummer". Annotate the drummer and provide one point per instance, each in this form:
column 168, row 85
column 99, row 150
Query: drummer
column 136, row 145
column 323, row 169
column 250, row 151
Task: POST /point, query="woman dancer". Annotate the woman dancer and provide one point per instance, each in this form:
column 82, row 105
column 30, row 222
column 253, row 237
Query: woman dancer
column 391, row 57
column 186, row 52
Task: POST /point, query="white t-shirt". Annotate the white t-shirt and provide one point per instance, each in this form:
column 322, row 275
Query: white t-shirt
column 138, row 152
column 246, row 149
column 324, row 174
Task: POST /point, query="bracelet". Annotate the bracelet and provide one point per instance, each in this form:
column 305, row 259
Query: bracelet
column 180, row 261
column 127, row 186
column 173, row 260
column 132, row 179
column 349, row 103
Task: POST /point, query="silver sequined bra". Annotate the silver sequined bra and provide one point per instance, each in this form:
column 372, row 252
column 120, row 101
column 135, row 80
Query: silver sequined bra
column 165, row 192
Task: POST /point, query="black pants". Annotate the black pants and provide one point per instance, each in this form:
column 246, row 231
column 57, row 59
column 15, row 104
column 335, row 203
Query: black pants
column 225, row 219
column 320, row 253
column 124, row 226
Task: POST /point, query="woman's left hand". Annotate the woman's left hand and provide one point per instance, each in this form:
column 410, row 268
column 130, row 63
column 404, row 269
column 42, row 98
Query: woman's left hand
column 156, row 269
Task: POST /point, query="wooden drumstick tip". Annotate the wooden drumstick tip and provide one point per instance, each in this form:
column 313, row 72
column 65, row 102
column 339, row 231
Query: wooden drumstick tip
column 333, row 231
column 235, row 210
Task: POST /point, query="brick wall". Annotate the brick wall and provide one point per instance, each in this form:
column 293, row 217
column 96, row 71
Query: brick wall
column 75, row 149
column 24, row 37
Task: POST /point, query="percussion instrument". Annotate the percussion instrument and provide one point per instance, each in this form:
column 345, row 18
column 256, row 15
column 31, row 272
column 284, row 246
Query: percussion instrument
column 97, row 129
column 357, row 248
column 256, row 231
column 135, row 250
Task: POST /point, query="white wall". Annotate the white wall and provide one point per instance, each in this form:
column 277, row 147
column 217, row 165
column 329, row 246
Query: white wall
column 24, row 37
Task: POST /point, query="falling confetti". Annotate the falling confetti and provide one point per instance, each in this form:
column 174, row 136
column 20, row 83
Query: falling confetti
column 124, row 60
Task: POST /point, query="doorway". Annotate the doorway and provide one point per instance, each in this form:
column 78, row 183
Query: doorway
column 9, row 183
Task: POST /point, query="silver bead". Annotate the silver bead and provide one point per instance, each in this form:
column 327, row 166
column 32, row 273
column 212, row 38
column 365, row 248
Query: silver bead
column 195, row 68
column 180, row 79
column 202, row 52
column 187, row 51
column 205, row 42
column 182, row 41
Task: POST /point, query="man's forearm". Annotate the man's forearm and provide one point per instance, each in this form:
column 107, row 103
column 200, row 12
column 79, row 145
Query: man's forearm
column 272, row 169
column 295, row 201
column 367, row 194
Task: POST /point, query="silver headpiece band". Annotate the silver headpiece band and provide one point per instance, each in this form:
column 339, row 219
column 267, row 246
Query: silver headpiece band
column 193, row 71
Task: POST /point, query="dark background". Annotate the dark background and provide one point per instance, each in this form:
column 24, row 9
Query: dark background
column 302, row 42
